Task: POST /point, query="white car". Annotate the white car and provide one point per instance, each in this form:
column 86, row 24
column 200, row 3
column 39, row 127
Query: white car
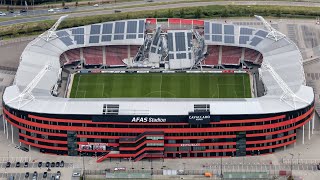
column 96, row 5
column 76, row 174
column 51, row 10
column 2, row 14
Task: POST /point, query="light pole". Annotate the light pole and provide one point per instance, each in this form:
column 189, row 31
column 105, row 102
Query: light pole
column 83, row 166
column 291, row 162
column 221, row 175
column 184, row 168
column 131, row 163
column 151, row 165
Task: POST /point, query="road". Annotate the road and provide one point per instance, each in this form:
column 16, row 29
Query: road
column 40, row 12
column 156, row 7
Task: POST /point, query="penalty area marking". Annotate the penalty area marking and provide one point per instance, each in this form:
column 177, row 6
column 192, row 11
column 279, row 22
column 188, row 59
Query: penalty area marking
column 174, row 96
column 83, row 92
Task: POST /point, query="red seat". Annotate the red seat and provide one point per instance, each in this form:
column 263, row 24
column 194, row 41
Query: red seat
column 213, row 57
column 93, row 55
column 231, row 55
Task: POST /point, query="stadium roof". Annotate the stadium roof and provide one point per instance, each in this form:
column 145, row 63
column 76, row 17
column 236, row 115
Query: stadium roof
column 282, row 72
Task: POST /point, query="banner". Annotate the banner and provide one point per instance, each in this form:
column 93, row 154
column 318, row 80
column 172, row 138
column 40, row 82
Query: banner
column 192, row 118
column 199, row 117
column 93, row 146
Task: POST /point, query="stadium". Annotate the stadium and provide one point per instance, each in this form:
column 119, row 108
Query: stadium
column 159, row 88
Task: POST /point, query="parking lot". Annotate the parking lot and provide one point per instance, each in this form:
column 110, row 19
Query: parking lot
column 35, row 165
column 260, row 167
column 22, row 175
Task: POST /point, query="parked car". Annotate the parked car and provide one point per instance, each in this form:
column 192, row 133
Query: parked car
column 57, row 164
column 23, row 10
column 53, row 178
column 62, row 164
column 27, row 175
column 318, row 166
column 96, row 5
column 26, row 164
column 117, row 11
column 2, row 14
column 119, row 169
column 45, row 174
column 51, row 10
column 58, row 173
column 53, row 164
column 47, row 164
column 8, row 164
column 40, row 164
column 18, row 164
column 24, row 149
column 76, row 174
column 35, row 173
column 11, row 11
column 66, row 7
column 57, row 177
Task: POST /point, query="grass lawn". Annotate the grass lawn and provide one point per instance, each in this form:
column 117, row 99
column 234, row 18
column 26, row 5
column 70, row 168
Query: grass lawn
column 160, row 85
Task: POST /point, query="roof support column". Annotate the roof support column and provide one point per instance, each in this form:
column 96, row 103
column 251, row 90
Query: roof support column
column 11, row 133
column 4, row 124
column 7, row 129
column 309, row 130
column 313, row 121
column 303, row 134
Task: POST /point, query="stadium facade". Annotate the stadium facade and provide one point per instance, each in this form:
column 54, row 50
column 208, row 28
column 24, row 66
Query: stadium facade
column 138, row 128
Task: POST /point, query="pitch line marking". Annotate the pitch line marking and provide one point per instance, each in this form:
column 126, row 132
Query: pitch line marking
column 102, row 89
column 160, row 84
column 244, row 87
column 83, row 93
column 160, row 92
column 78, row 85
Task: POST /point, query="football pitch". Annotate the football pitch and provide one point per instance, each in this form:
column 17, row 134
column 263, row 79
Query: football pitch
column 161, row 85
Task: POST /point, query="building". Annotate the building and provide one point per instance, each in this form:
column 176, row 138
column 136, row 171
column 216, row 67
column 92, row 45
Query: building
column 159, row 128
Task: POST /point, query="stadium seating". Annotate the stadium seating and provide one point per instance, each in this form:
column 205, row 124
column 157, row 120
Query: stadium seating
column 151, row 24
column 178, row 23
column 213, row 57
column 231, row 55
column 63, row 60
column 250, row 55
column 93, row 55
column 73, row 55
column 260, row 59
column 134, row 50
column 115, row 55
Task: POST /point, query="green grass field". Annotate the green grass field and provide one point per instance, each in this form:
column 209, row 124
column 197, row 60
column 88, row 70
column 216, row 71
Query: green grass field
column 156, row 85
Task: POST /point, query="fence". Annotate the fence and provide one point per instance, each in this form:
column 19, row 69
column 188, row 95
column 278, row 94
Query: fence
column 301, row 161
column 15, row 159
column 272, row 171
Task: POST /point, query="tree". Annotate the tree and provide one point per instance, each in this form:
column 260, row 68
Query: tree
column 225, row 12
column 155, row 14
column 182, row 13
column 198, row 13
column 170, row 14
column 63, row 4
column 290, row 178
column 76, row 3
